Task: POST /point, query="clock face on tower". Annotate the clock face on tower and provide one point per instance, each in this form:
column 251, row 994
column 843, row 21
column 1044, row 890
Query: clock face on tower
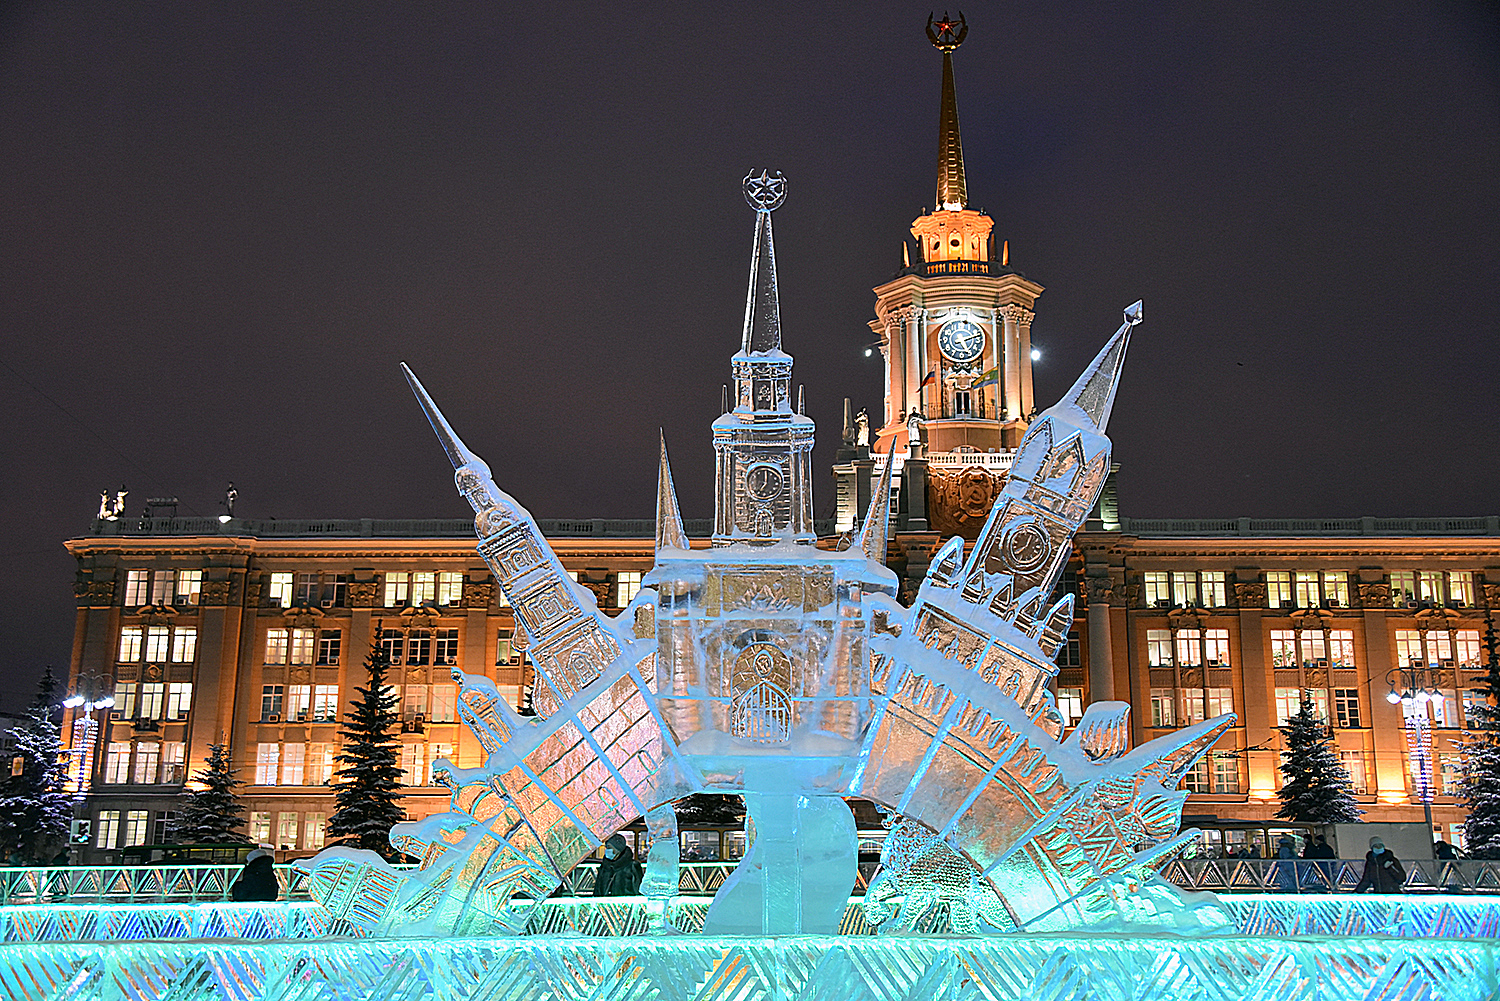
column 763, row 481
column 961, row 340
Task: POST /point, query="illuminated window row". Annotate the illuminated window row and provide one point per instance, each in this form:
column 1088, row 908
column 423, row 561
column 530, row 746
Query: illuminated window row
column 303, row 646
column 162, row 587
column 158, row 644
column 299, row 703
column 146, row 762
column 313, row 827
column 152, row 700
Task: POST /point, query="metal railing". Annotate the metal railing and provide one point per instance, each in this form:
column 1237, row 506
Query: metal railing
column 131, row 884
column 1327, row 876
column 1301, row 527
column 396, row 528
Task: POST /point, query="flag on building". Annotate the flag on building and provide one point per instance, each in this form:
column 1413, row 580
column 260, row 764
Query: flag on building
column 931, row 378
column 989, row 378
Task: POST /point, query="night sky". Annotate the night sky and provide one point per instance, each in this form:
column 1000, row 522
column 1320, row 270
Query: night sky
column 223, row 225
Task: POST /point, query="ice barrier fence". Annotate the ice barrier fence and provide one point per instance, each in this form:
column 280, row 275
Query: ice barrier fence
column 189, row 884
column 1286, row 948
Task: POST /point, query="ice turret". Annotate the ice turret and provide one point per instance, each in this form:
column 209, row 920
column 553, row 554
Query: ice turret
column 875, row 533
column 669, row 531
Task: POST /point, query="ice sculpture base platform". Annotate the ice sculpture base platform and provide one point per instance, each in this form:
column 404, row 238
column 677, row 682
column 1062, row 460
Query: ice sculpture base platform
column 1374, row 948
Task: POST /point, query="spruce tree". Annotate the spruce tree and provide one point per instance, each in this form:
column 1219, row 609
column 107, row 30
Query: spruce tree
column 1480, row 747
column 367, row 789
column 35, row 811
column 1315, row 787
column 212, row 815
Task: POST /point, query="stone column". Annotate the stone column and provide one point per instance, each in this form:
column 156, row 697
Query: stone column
column 1388, row 726
column 1011, row 375
column 1028, row 400
column 1258, row 682
column 1099, row 589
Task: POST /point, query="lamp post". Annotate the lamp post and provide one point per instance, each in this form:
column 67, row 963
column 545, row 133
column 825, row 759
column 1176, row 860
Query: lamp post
column 1413, row 696
column 84, row 740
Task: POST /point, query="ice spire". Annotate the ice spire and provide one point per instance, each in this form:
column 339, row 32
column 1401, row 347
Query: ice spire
column 458, row 452
column 1094, row 392
column 873, row 535
column 765, row 192
column 669, row 531
column 952, row 194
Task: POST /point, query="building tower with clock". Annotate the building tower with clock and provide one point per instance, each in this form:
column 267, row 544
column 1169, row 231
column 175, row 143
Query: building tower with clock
column 954, row 326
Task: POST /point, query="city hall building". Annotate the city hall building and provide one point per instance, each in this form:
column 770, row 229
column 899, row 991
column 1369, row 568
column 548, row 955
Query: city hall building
column 254, row 634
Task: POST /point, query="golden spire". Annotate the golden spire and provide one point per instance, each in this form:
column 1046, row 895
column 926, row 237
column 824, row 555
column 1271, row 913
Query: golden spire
column 952, row 194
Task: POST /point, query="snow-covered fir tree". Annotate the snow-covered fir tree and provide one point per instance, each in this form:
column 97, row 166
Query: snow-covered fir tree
column 367, row 788
column 212, row 815
column 35, row 810
column 1480, row 747
column 1315, row 786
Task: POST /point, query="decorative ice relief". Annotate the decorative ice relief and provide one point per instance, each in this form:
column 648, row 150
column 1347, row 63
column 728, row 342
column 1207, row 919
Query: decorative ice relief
column 767, row 667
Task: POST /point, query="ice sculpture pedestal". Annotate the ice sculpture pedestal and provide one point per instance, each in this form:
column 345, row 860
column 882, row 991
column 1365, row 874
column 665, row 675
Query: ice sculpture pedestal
column 797, row 874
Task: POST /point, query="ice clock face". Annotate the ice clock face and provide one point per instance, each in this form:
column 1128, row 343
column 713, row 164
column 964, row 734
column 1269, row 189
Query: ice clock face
column 763, row 481
column 961, row 340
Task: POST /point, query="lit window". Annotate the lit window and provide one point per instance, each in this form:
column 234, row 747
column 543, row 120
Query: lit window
column 153, row 695
column 439, row 752
column 276, row 646
column 1226, row 773
column 117, row 763
column 397, row 587
column 1311, row 645
column 1305, row 590
column 627, row 586
column 1403, row 588
column 414, row 702
column 161, row 587
column 319, row 763
column 260, row 826
column 1216, row 647
column 314, row 828
column 1283, row 648
column 136, row 823
column 1430, row 586
column 174, row 762
column 1279, row 589
column 107, row 826
column 125, row 699
column 1336, row 589
column 298, row 702
column 304, row 642
column 423, row 588
column 413, row 757
column 1158, row 589
column 271, row 700
column 286, row 830
column 294, row 757
column 1184, row 588
column 179, row 699
column 446, row 651
column 1159, row 647
column 157, row 638
column 1444, row 704
column 137, row 588
column 184, row 644
column 510, row 695
column 1189, row 648
column 1461, row 589
column 1070, row 705
column 1341, row 647
column 1409, row 648
column 267, row 758
column 1354, row 764
column 1288, row 703
column 1466, row 647
column 1212, row 589
column 130, row 644
column 1440, row 646
column 325, row 703
column 1162, row 709
column 1451, row 773
column 505, row 651
column 147, row 761
column 450, row 588
column 281, row 589
column 1220, row 702
column 444, row 703
column 419, row 647
column 189, row 586
column 1192, row 706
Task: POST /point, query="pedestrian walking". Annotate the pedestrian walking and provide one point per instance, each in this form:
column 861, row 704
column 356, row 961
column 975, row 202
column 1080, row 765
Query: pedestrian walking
column 257, row 881
column 618, row 875
column 1383, row 871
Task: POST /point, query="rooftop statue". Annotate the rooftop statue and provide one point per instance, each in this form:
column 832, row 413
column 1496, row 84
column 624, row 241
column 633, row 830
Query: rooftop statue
column 767, row 667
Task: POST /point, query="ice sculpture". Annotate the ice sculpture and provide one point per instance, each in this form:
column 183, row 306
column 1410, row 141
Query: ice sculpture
column 788, row 674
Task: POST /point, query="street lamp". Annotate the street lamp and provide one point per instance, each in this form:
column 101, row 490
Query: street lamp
column 1413, row 697
column 85, row 736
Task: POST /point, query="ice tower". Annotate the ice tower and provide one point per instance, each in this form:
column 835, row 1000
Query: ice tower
column 767, row 667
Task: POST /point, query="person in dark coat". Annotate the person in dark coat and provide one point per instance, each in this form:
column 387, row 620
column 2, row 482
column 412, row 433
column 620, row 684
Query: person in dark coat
column 618, row 875
column 258, row 879
column 1383, row 871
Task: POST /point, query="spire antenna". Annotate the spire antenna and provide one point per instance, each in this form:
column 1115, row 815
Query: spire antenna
column 765, row 192
column 952, row 193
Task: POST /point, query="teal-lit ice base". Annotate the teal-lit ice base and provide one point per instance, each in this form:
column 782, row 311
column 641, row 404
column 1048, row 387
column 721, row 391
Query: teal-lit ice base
column 1297, row 948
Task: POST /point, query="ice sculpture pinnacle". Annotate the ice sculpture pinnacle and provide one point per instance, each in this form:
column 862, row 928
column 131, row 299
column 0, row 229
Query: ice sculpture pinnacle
column 669, row 531
column 952, row 193
column 1094, row 392
column 458, row 452
column 765, row 192
column 875, row 532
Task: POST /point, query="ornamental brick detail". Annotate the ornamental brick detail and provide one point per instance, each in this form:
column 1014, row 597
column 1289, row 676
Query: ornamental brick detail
column 479, row 593
column 1099, row 590
column 1492, row 595
column 1250, row 593
column 94, row 593
column 215, row 593
column 1375, row 594
column 362, row 593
